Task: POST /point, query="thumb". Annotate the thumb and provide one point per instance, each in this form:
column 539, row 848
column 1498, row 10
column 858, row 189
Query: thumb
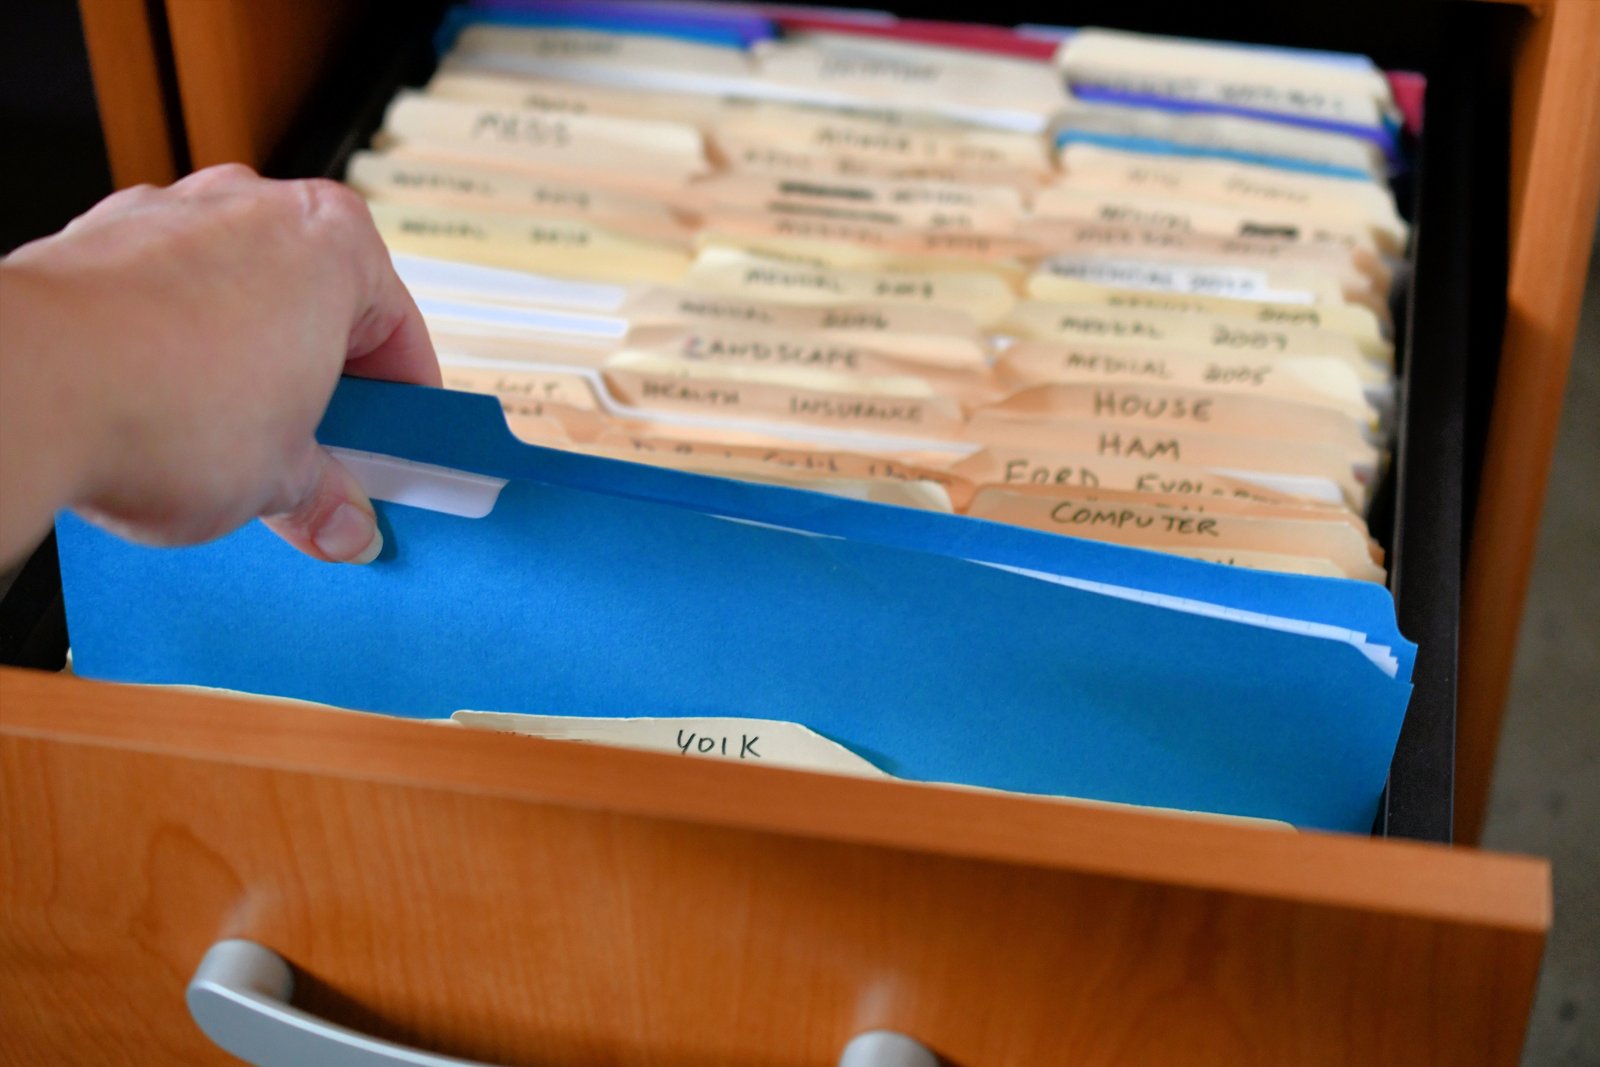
column 333, row 519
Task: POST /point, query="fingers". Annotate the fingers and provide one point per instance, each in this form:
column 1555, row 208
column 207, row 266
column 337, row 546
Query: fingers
column 388, row 338
column 332, row 519
column 133, row 198
column 209, row 183
column 391, row 341
column 221, row 178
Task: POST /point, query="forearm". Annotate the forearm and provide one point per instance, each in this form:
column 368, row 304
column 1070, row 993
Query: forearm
column 47, row 422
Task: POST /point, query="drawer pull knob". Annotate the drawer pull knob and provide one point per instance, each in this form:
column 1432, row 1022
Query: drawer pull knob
column 239, row 996
column 885, row 1048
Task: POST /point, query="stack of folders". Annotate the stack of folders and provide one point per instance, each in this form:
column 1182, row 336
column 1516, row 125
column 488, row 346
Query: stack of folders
column 927, row 276
column 1102, row 317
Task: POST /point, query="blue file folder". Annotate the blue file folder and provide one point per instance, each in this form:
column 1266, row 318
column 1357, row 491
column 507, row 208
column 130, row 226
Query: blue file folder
column 601, row 588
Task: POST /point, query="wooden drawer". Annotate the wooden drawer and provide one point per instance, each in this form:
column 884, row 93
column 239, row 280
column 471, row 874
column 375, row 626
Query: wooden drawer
column 533, row 902
column 1418, row 512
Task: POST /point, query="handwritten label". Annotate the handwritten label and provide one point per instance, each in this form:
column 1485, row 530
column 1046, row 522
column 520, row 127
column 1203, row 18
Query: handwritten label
column 1132, row 405
column 1026, row 472
column 878, row 66
column 1135, row 446
column 1170, row 485
column 1096, row 327
column 1224, row 336
column 571, row 45
column 854, row 320
column 435, row 181
column 909, row 412
column 701, row 308
column 521, row 128
column 791, row 279
column 837, row 464
column 1068, row 513
column 688, row 392
column 780, row 353
column 1138, row 366
column 1235, row 283
column 1289, row 316
column 744, row 744
column 1247, row 374
column 443, row 228
column 763, row 741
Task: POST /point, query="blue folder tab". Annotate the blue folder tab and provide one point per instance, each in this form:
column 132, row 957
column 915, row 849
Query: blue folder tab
column 696, row 24
column 467, row 432
column 595, row 587
column 1161, row 147
column 1385, row 136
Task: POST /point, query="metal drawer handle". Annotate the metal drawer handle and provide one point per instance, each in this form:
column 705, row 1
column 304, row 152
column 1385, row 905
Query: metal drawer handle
column 239, row 996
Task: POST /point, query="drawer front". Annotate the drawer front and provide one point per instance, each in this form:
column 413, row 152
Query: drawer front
column 533, row 902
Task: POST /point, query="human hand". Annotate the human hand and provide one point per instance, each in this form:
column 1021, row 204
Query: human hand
column 168, row 356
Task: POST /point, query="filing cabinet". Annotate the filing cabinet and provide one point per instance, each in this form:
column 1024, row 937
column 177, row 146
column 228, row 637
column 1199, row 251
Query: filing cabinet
column 520, row 901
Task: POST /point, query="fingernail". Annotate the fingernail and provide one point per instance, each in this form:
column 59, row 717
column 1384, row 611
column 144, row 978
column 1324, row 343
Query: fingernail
column 349, row 536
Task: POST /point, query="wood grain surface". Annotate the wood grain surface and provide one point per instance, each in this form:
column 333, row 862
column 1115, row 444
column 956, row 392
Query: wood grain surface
column 246, row 68
column 535, row 902
column 1555, row 187
column 124, row 46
